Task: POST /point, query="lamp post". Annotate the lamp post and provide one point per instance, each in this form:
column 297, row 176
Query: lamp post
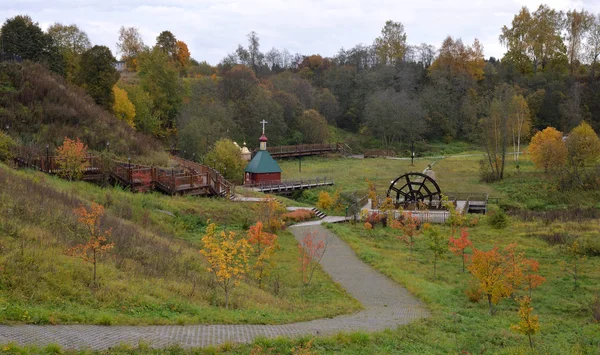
column 412, row 157
column 48, row 158
column 107, row 146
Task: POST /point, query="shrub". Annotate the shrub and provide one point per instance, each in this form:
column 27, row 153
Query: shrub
column 596, row 308
column 473, row 292
column 498, row 219
column 325, row 200
column 6, row 146
column 590, row 245
column 298, row 215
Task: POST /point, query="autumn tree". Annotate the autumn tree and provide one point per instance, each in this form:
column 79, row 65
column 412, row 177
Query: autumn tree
column 529, row 324
column 226, row 157
column 437, row 244
column 504, row 112
column 71, row 43
column 532, row 279
column 520, row 123
column 182, row 54
column 535, row 38
column 123, row 108
column 488, row 268
column 577, row 24
column 593, row 46
column 145, row 119
column 583, row 149
column 410, row 228
column 456, row 219
column 160, row 79
column 130, row 45
column 269, row 211
column 97, row 75
column 548, row 150
column 325, row 201
column 97, row 242
column 314, row 127
column 264, row 245
column 514, row 267
column 458, row 245
column 574, row 258
column 372, row 194
column 71, row 158
column 391, row 45
column 456, row 58
column 312, row 248
column 227, row 258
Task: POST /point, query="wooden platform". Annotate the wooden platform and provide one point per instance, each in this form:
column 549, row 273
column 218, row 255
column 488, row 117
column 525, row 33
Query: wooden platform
column 287, row 187
column 300, row 150
column 188, row 178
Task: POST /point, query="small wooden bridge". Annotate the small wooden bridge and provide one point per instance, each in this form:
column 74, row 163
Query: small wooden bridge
column 187, row 178
column 288, row 187
column 300, row 150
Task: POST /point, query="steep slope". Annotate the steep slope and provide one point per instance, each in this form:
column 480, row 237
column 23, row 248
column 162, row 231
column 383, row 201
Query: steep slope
column 40, row 108
column 154, row 274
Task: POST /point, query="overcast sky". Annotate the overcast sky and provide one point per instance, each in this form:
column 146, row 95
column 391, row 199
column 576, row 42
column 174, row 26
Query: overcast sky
column 214, row 28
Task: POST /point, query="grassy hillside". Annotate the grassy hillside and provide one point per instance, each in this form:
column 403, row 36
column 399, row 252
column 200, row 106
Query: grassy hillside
column 154, row 275
column 41, row 108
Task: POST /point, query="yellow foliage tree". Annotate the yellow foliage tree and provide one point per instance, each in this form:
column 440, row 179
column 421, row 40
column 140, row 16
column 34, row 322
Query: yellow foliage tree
column 488, row 267
column 325, row 201
column 98, row 240
column 123, row 108
column 548, row 150
column 583, row 146
column 529, row 324
column 227, row 258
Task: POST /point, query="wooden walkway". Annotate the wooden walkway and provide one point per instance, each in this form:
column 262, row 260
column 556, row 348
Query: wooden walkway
column 300, row 150
column 187, row 178
column 287, row 187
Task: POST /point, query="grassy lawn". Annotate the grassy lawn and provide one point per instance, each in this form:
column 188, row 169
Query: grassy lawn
column 523, row 188
column 154, row 275
column 457, row 324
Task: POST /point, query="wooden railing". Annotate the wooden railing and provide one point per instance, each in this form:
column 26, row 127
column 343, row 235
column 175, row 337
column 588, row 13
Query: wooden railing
column 187, row 177
column 290, row 185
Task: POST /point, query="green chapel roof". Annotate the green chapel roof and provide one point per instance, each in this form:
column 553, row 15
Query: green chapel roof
column 262, row 163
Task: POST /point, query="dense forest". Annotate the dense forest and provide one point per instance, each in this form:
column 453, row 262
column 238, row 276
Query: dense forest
column 386, row 94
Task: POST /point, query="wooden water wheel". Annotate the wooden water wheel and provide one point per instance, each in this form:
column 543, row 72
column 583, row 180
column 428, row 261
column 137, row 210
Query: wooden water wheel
column 415, row 188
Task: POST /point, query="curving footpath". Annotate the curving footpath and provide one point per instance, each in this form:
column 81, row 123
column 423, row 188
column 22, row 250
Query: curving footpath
column 386, row 305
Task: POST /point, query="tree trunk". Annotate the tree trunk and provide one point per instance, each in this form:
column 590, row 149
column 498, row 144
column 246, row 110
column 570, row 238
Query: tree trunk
column 463, row 261
column 434, row 265
column 530, row 341
column 94, row 260
column 226, row 298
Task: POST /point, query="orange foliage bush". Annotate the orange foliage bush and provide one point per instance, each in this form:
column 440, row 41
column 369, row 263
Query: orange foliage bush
column 298, row 215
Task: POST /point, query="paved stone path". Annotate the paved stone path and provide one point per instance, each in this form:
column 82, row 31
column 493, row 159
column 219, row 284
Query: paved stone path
column 386, row 305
